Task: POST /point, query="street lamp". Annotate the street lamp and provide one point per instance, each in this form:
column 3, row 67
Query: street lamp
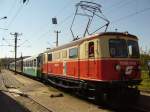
column 5, row 17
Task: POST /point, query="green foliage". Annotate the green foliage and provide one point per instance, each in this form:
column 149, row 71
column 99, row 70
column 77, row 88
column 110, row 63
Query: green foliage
column 145, row 84
column 144, row 58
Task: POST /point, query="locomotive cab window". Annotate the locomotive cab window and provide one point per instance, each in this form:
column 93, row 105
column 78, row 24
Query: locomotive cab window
column 133, row 49
column 118, row 48
column 73, row 53
column 49, row 57
column 91, row 49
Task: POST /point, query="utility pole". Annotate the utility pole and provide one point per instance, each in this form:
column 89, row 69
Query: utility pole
column 16, row 38
column 57, row 32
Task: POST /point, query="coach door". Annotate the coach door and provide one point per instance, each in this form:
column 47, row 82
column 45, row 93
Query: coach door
column 91, row 59
column 39, row 65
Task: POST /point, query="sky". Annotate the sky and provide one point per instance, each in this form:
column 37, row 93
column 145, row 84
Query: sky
column 32, row 21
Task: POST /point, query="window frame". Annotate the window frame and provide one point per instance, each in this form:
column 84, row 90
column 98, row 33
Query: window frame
column 91, row 55
column 125, row 47
column 50, row 57
column 75, row 54
column 138, row 55
column 64, row 54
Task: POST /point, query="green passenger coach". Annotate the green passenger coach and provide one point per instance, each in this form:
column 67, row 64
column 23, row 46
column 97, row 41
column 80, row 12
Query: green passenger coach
column 30, row 66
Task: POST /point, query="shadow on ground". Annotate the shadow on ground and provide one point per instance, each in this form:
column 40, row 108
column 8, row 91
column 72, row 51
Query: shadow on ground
column 7, row 104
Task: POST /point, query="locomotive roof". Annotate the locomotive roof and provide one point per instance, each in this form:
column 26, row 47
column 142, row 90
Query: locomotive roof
column 76, row 42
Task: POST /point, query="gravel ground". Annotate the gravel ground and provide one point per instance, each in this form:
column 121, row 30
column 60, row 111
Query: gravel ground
column 39, row 99
column 35, row 96
column 13, row 99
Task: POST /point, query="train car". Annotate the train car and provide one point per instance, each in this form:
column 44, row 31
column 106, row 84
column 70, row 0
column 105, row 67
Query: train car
column 103, row 66
column 30, row 66
column 12, row 66
column 19, row 65
column 107, row 64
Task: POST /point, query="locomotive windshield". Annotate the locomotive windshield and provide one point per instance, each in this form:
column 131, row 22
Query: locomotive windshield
column 118, row 48
column 133, row 49
column 122, row 48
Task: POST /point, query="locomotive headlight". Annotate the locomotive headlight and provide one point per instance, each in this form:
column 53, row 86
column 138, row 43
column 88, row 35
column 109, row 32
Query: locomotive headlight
column 118, row 67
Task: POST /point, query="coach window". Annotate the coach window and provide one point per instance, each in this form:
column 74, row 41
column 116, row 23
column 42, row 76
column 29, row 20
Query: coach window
column 73, row 53
column 91, row 49
column 49, row 57
column 34, row 63
column 30, row 63
column 56, row 55
column 64, row 54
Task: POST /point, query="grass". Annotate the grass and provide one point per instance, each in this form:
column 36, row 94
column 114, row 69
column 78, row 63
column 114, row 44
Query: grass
column 145, row 84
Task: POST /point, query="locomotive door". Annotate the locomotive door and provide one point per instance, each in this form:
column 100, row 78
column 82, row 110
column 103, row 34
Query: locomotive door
column 64, row 57
column 91, row 59
column 64, row 68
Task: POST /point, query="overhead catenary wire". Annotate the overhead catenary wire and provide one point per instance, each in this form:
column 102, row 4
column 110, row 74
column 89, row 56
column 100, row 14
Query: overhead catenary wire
column 65, row 19
column 17, row 12
column 130, row 15
column 119, row 5
column 116, row 5
column 59, row 24
column 12, row 7
column 14, row 17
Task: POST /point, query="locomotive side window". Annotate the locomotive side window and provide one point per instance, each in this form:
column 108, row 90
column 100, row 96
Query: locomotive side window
column 91, row 49
column 64, row 54
column 56, row 55
column 118, row 48
column 73, row 53
column 133, row 49
column 49, row 57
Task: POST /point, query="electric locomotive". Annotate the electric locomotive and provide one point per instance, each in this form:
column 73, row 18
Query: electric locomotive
column 105, row 65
